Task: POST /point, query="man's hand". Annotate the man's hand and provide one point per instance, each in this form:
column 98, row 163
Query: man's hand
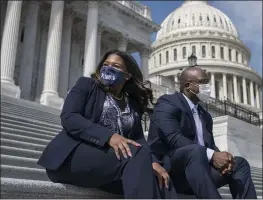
column 120, row 143
column 162, row 175
column 223, row 161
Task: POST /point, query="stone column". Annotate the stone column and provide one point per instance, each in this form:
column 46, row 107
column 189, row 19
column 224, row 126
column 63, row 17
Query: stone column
column 29, row 49
column 123, row 42
column 236, row 99
column 257, row 96
column 145, row 53
column 3, row 6
column 101, row 29
column 252, row 97
column 91, row 38
column 217, row 49
column 9, row 49
column 244, row 87
column 65, row 52
column 49, row 94
column 213, row 92
column 226, row 57
column 233, row 52
column 224, row 87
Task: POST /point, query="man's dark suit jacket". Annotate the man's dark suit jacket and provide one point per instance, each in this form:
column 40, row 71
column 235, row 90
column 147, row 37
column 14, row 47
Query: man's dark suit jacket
column 172, row 126
column 79, row 117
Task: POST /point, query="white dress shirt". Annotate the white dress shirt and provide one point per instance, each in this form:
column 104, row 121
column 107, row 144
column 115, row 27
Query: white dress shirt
column 199, row 127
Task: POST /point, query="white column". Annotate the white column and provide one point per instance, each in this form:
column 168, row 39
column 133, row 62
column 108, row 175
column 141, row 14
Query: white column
column 226, row 57
column 65, row 53
column 213, row 92
column 244, row 87
column 91, row 38
column 233, row 52
column 236, row 99
column 49, row 94
column 257, row 96
column 123, row 42
column 3, row 6
column 101, row 29
column 29, row 49
column 145, row 53
column 224, row 87
column 217, row 49
column 252, row 99
column 9, row 49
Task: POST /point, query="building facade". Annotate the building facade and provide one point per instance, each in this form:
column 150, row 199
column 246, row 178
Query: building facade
column 47, row 45
column 200, row 29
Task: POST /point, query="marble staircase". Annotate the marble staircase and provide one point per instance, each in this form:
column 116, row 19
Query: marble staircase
column 26, row 128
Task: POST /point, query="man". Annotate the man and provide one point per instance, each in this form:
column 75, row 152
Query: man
column 180, row 135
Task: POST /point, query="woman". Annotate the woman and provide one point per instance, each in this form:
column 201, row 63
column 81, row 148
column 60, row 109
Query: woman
column 102, row 141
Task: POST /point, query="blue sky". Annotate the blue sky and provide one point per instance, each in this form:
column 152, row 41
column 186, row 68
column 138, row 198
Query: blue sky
column 245, row 15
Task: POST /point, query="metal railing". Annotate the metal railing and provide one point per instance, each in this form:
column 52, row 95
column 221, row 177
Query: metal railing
column 218, row 108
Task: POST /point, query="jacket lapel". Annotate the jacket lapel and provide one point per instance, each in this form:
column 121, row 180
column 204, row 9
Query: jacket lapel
column 187, row 109
column 205, row 134
column 100, row 98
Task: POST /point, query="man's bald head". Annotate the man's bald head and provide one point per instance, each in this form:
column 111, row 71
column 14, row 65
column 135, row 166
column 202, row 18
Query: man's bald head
column 192, row 74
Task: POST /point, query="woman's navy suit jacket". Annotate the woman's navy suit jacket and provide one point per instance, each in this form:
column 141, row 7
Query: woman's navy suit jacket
column 80, row 114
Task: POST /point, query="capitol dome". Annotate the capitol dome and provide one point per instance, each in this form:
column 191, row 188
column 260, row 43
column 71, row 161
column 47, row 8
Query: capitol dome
column 197, row 28
column 196, row 15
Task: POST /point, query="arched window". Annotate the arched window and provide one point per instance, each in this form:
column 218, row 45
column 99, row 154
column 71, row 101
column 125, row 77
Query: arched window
column 242, row 58
column 22, row 35
column 173, row 22
column 203, row 51
column 184, row 52
column 222, row 52
column 179, row 20
column 154, row 61
column 236, row 56
column 213, row 52
column 208, row 18
column 194, row 50
column 167, row 56
column 175, row 54
column 214, row 19
column 229, row 54
column 160, row 59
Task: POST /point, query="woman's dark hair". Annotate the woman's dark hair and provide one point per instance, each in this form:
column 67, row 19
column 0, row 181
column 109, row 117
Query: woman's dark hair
column 134, row 87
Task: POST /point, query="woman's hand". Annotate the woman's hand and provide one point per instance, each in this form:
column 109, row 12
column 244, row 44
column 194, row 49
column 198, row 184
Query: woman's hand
column 162, row 175
column 120, row 143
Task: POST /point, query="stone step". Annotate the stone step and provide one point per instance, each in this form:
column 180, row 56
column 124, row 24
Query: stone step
column 8, row 171
column 27, row 133
column 20, row 152
column 35, row 130
column 22, row 138
column 19, row 161
column 29, row 124
column 32, row 114
column 31, row 189
column 226, row 190
column 34, row 121
column 20, row 144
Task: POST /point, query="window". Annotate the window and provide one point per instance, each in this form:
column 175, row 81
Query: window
column 82, row 61
column 242, row 58
column 172, row 22
column 167, row 56
column 229, row 54
column 222, row 52
column 160, row 59
column 154, row 61
column 200, row 17
column 175, row 54
column 203, row 51
column 179, row 21
column 236, row 56
column 208, row 18
column 214, row 19
column 184, row 52
column 22, row 35
column 193, row 50
column 213, row 52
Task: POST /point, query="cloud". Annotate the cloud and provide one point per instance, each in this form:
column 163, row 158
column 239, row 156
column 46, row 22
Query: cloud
column 247, row 18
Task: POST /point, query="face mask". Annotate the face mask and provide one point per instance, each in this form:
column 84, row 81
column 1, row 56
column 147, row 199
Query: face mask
column 111, row 76
column 204, row 92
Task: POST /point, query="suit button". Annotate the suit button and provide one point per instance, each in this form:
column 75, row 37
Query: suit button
column 97, row 142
